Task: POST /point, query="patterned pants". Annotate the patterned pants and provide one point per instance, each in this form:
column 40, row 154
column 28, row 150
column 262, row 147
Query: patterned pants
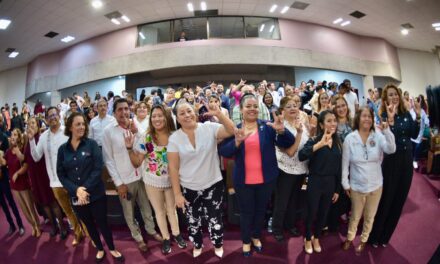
column 205, row 203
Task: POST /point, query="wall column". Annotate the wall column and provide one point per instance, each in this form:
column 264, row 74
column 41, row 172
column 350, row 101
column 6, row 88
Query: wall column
column 368, row 84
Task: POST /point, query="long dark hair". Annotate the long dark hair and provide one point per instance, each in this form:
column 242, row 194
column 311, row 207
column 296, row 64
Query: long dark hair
column 169, row 125
column 320, row 131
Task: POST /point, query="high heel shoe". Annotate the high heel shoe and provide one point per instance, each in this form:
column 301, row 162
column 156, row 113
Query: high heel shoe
column 197, row 252
column 257, row 245
column 99, row 260
column 308, row 248
column 219, row 252
column 247, row 250
column 119, row 258
column 316, row 246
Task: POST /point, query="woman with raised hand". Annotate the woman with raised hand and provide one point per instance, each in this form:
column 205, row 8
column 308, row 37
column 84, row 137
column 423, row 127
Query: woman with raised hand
column 19, row 180
column 195, row 175
column 362, row 158
column 150, row 150
column 255, row 166
column 79, row 167
column 324, row 153
column 396, row 179
column 292, row 172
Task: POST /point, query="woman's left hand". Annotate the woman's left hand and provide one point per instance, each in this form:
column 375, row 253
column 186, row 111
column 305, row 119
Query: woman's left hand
column 335, row 197
column 14, row 177
column 213, row 110
column 278, row 123
column 417, row 107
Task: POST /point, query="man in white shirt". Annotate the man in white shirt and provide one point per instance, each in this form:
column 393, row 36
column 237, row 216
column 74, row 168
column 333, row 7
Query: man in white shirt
column 48, row 146
column 100, row 122
column 275, row 95
column 127, row 179
column 350, row 97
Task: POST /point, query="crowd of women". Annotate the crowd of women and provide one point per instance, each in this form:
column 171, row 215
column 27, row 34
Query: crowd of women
column 170, row 150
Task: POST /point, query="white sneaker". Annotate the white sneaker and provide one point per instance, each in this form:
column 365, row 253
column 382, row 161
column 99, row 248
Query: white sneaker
column 415, row 165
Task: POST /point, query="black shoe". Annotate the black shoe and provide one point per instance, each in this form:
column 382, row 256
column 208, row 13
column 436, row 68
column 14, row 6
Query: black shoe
column 63, row 234
column 278, row 237
column 119, row 259
column 11, row 230
column 166, row 246
column 294, row 232
column 180, row 241
column 99, row 260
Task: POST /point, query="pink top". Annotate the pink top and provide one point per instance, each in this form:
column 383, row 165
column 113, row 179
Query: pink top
column 252, row 161
column 237, row 96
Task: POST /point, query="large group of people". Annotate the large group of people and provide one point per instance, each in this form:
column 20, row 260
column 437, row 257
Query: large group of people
column 169, row 151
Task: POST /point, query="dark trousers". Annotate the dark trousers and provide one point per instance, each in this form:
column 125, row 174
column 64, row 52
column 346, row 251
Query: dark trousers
column 342, row 206
column 205, row 203
column 5, row 192
column 320, row 191
column 286, row 202
column 94, row 215
column 253, row 200
column 397, row 173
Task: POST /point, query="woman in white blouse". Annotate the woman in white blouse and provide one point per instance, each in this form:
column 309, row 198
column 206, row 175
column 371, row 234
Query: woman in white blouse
column 361, row 159
column 194, row 166
column 141, row 109
column 150, row 151
column 292, row 171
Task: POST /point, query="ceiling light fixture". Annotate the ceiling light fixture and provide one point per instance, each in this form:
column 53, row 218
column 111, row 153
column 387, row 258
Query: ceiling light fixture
column 346, row 23
column 433, row 25
column 437, row 28
column 273, row 8
column 190, row 7
column 4, row 23
column 203, row 6
column 284, row 10
column 262, row 28
column 337, row 21
column 13, row 54
column 125, row 18
column 97, row 4
column 67, row 39
column 404, row 31
column 271, row 28
column 141, row 35
column 115, row 21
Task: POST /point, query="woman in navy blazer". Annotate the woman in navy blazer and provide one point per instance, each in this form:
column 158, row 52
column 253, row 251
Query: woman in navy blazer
column 256, row 167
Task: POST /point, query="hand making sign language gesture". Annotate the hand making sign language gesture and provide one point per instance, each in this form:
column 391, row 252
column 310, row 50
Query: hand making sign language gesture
column 278, row 123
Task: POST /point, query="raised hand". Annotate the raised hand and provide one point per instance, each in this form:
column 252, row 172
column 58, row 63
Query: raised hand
column 241, row 135
column 128, row 139
column 132, row 127
column 278, row 123
column 298, row 125
column 391, row 110
column 326, row 139
column 213, row 110
column 30, row 133
column 417, row 106
column 242, row 82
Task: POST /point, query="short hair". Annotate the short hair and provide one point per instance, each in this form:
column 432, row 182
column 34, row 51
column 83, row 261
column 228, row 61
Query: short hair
column 119, row 101
column 50, row 108
column 69, row 124
column 357, row 117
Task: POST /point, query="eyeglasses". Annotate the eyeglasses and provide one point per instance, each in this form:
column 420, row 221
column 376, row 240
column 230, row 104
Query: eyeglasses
column 365, row 152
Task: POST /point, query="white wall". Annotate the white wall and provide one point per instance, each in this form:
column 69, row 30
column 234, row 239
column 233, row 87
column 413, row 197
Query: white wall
column 114, row 84
column 419, row 69
column 13, row 86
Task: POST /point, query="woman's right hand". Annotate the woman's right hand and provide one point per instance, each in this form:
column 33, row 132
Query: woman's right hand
column 347, row 192
column 30, row 133
column 181, row 202
column 241, row 135
column 128, row 139
column 326, row 139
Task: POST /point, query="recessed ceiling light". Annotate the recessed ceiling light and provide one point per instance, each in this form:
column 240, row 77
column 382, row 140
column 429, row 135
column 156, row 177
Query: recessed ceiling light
column 115, row 21
column 337, row 21
column 273, row 8
column 404, row 31
column 434, row 25
column 67, row 39
column 125, row 18
column 348, row 22
column 262, row 28
column 141, row 35
column 13, row 54
column 271, row 28
column 4, row 23
column 97, row 4
column 190, row 7
column 284, row 10
column 203, row 6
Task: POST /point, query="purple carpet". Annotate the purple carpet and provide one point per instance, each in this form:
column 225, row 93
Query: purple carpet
column 414, row 241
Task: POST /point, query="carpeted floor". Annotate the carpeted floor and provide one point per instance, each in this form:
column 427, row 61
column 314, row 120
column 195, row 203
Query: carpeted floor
column 415, row 240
